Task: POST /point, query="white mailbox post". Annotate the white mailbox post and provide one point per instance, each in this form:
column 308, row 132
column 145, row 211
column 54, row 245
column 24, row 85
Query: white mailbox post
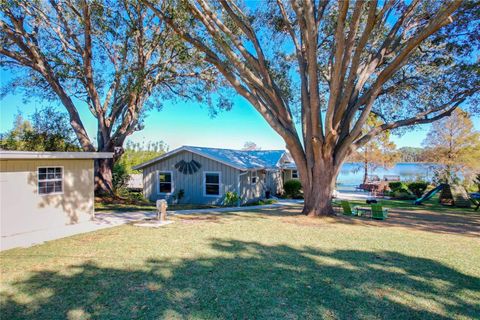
column 162, row 210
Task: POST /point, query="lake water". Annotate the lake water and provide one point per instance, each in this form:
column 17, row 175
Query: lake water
column 352, row 173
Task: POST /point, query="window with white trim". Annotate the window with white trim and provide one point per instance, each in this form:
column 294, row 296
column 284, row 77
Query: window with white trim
column 253, row 178
column 212, row 183
column 50, row 180
column 165, row 182
column 294, row 174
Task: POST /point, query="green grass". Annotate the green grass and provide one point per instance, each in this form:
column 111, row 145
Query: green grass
column 270, row 264
column 261, row 202
column 145, row 206
column 432, row 204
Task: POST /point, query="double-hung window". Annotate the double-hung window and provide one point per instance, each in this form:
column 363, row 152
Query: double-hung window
column 254, row 178
column 165, row 182
column 294, row 174
column 50, row 180
column 212, row 183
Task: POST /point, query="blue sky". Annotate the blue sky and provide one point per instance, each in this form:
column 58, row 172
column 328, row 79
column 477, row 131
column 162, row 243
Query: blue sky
column 188, row 123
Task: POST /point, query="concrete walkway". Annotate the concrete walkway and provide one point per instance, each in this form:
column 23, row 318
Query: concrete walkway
column 109, row 220
column 32, row 238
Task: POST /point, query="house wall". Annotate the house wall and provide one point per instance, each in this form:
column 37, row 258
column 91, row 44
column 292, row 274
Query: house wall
column 23, row 209
column 287, row 175
column 249, row 191
column 274, row 182
column 192, row 184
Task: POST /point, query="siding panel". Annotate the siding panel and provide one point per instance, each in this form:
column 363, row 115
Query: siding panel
column 192, row 184
column 23, row 209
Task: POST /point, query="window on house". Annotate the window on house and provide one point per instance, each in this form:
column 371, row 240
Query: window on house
column 254, row 178
column 50, row 180
column 212, row 183
column 294, row 174
column 165, row 182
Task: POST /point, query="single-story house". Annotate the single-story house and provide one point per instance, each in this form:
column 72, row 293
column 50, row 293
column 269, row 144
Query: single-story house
column 204, row 175
column 40, row 190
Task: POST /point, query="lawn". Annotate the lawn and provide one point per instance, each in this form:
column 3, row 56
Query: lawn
column 269, row 264
column 120, row 207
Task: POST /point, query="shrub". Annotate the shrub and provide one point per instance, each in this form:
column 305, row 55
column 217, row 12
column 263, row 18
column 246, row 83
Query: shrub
column 231, row 199
column 179, row 195
column 136, row 197
column 120, row 177
column 403, row 195
column 292, row 188
column 417, row 188
column 397, row 185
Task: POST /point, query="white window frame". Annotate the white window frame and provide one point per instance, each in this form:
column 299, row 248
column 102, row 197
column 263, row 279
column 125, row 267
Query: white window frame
column 172, row 189
column 296, row 174
column 62, row 179
column 205, row 184
column 253, row 174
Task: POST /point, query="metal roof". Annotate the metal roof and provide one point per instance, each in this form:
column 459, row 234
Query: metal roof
column 8, row 155
column 238, row 159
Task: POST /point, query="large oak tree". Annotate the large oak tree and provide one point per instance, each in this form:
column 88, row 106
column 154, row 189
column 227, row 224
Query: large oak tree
column 328, row 66
column 113, row 59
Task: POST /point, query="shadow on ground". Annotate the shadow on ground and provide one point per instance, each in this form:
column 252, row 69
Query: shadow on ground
column 248, row 280
column 421, row 220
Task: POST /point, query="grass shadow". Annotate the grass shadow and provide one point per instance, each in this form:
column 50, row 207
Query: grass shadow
column 249, row 280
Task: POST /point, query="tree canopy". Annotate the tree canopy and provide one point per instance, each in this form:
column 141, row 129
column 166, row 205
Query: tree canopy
column 115, row 59
column 329, row 65
column 454, row 144
column 47, row 130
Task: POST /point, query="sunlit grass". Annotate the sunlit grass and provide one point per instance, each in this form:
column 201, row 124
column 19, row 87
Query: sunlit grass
column 270, row 264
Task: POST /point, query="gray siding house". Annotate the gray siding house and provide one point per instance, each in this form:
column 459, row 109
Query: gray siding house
column 205, row 175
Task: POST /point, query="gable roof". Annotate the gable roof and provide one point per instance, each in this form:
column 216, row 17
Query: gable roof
column 238, row 159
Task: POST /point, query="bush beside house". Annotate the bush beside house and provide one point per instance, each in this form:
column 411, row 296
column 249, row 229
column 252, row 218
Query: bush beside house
column 293, row 189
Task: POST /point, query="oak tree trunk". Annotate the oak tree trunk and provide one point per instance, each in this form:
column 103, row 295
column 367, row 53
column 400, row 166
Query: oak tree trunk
column 103, row 177
column 318, row 191
column 104, row 168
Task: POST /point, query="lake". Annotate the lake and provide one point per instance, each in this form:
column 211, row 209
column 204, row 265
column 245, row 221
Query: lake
column 351, row 174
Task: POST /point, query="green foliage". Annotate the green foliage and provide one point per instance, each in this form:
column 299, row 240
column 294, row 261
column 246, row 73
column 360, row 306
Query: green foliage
column 47, row 130
column 120, row 177
column 399, row 190
column 403, row 194
column 178, row 196
column 261, row 202
column 231, row 199
column 292, row 188
column 136, row 197
column 136, row 153
column 418, row 187
column 397, row 185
